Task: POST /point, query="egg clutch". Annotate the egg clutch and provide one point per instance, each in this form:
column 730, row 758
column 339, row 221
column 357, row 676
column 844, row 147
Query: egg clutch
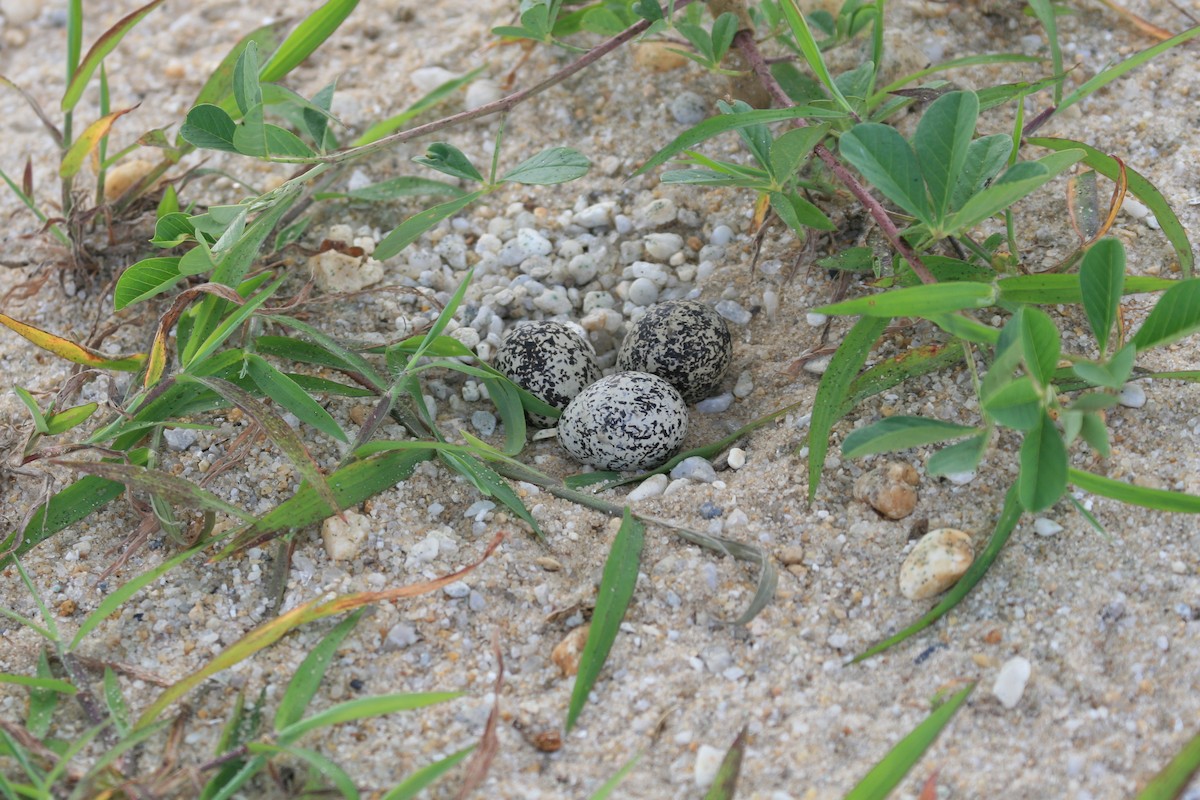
column 678, row 352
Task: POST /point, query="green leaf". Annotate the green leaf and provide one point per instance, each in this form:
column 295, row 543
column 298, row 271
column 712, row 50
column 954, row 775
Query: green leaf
column 942, row 141
column 887, row 774
column 220, row 81
column 724, row 785
column 411, row 786
column 900, row 433
column 1141, row 188
column 287, row 394
column 986, row 156
column 1009, row 516
column 175, row 490
column 35, row 411
column 61, row 421
column 832, row 392
column 107, row 42
column 799, row 213
column 957, row 458
column 1095, row 433
column 246, row 91
column 228, row 326
column 1112, row 375
column 887, row 161
column 1020, row 180
column 449, row 159
column 1016, row 404
column 1172, row 781
column 648, row 10
column 145, row 279
column 1043, row 478
column 1101, row 281
column 307, row 678
column 616, row 589
column 727, row 122
column 556, row 165
column 791, row 148
column 42, row 701
column 209, row 127
column 1040, row 343
column 363, row 708
column 1174, row 316
column 307, row 37
column 411, row 229
column 1160, row 499
column 254, row 137
column 173, row 229
column 810, row 49
column 1056, row 289
column 115, row 701
column 922, row 301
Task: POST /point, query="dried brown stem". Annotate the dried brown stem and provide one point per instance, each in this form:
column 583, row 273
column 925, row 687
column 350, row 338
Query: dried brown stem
column 744, row 40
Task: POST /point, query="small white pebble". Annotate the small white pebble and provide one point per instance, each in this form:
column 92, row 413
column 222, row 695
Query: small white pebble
column 708, row 762
column 721, row 235
column 737, row 458
column 1011, row 680
column 815, row 320
column 1132, row 396
column 1046, row 527
column 651, row 487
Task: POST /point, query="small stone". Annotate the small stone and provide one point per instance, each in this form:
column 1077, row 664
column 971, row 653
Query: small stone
column 426, row 79
column 597, row 215
column 744, row 386
column 818, row 365
column 792, row 554
column 721, row 236
column 567, row 652
column 651, row 487
column 1046, row 527
column 838, row 641
column 457, row 590
column 549, row 564
column 484, row 422
column 708, row 762
column 716, row 404
column 889, row 489
column 661, row 246
column 20, row 12
column 401, row 636
column 1011, row 680
column 653, row 56
column 936, row 563
column 643, row 292
column 120, row 178
column 960, row 478
column 339, row 272
column 732, row 310
column 525, row 244
column 710, row 510
column 1132, row 396
column 696, row 469
column 655, row 214
column 689, row 108
column 480, row 93
column 736, row 458
column 180, row 438
column 423, row 552
column 344, row 538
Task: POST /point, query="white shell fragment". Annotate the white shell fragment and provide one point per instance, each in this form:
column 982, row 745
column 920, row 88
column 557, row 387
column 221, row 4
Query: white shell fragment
column 1011, row 680
column 343, row 538
column 936, row 563
column 683, row 341
column 550, row 360
column 629, row 420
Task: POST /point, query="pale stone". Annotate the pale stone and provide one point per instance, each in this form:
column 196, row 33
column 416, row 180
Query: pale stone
column 567, row 652
column 936, row 563
column 343, row 538
column 339, row 272
column 708, row 763
column 1011, row 680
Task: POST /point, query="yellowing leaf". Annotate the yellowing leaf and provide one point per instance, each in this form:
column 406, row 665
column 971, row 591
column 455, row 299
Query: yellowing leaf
column 87, row 142
column 72, row 351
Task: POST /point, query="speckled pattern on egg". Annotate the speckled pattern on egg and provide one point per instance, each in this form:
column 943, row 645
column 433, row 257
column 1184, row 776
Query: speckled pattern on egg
column 550, row 360
column 684, row 341
column 629, row 420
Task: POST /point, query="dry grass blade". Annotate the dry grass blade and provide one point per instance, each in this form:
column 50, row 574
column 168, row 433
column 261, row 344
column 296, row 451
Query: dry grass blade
column 270, row 632
column 1142, row 24
column 489, row 744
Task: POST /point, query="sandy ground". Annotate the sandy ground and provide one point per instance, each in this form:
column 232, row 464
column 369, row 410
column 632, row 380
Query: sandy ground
column 1110, row 626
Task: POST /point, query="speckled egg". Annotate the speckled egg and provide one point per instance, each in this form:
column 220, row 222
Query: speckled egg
column 683, row 341
column 629, row 420
column 549, row 360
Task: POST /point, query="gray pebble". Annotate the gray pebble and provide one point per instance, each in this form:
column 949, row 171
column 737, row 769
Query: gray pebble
column 721, row 235
column 715, row 405
column 695, row 469
column 399, row 637
column 597, row 215
column 476, row 601
column 689, row 108
column 457, row 590
column 744, row 385
column 484, row 422
column 1132, row 396
column 710, row 510
column 655, row 214
column 643, row 292
column 661, row 246
column 180, row 438
column 732, row 310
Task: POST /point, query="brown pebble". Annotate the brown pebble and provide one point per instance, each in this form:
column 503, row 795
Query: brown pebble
column 67, row 608
column 657, row 56
column 993, row 636
column 791, row 555
column 567, row 652
column 358, row 414
column 548, row 564
column 890, row 489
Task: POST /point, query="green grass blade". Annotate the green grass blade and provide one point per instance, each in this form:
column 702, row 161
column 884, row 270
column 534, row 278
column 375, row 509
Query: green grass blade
column 725, row 784
column 289, row 395
column 490, row 484
column 394, row 189
column 220, row 82
column 900, row 433
column 1056, row 289
column 1009, row 516
column 229, row 325
column 99, row 50
column 1141, row 188
column 42, row 702
column 832, row 391
column 118, row 710
column 1160, row 499
column 363, row 708
column 610, row 785
column 337, row 356
column 924, row 300
column 307, row 678
column 1109, row 75
column 811, row 51
column 1045, row 12
column 411, row 786
column 616, row 589
column 411, row 229
column 176, row 490
column 307, row 37
column 1174, row 778
column 45, row 684
column 343, row 782
column 887, row 774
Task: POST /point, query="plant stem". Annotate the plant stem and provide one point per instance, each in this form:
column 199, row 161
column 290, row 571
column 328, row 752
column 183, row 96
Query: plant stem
column 744, row 40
